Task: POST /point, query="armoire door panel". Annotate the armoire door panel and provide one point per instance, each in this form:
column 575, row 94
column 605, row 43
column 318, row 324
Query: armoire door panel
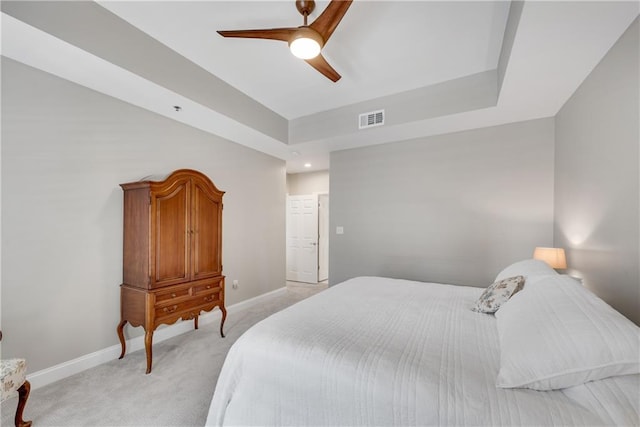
column 172, row 234
column 206, row 222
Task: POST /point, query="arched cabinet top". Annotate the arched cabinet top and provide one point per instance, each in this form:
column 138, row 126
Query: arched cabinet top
column 157, row 181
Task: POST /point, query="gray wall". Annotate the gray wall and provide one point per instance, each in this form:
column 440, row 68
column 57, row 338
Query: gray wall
column 467, row 93
column 299, row 184
column 65, row 149
column 454, row 208
column 597, row 186
column 93, row 28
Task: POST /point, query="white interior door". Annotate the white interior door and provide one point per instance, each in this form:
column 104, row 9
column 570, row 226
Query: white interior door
column 302, row 238
column 323, row 237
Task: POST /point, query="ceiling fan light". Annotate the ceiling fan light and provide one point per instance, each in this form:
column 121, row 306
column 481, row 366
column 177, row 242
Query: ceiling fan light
column 305, row 48
column 305, row 43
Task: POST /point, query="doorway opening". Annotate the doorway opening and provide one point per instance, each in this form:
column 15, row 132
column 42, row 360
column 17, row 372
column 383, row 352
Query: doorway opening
column 308, row 238
column 307, row 227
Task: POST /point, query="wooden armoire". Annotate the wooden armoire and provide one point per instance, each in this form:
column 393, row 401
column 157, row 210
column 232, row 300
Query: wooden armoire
column 172, row 265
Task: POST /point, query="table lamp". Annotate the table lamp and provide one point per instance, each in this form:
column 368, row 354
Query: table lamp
column 553, row 256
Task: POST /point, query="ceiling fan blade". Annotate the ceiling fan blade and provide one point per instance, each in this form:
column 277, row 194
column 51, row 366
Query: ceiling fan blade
column 283, row 34
column 329, row 19
column 321, row 64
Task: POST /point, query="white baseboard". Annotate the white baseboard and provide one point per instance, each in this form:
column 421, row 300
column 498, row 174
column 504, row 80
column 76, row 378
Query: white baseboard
column 66, row 369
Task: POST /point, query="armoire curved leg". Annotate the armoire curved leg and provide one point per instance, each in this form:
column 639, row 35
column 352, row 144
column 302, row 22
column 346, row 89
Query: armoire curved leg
column 224, row 317
column 148, row 341
column 23, row 395
column 121, row 336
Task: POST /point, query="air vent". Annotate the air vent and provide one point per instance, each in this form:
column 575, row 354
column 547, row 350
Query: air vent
column 374, row 118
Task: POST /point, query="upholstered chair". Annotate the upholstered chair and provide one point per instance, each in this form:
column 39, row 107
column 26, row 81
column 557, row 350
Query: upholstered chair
column 14, row 380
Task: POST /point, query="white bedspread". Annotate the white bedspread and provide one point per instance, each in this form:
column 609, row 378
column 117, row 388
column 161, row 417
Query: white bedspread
column 379, row 352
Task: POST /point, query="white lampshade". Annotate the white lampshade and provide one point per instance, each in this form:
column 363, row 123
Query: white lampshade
column 553, row 256
column 305, row 43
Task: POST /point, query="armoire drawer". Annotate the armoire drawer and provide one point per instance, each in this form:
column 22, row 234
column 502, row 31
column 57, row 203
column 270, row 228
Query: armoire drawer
column 207, row 298
column 177, row 308
column 207, row 288
column 173, row 294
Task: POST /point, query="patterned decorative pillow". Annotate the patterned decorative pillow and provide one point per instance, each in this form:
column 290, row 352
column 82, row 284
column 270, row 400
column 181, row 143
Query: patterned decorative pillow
column 497, row 294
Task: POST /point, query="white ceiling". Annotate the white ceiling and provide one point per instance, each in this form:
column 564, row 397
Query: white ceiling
column 380, row 48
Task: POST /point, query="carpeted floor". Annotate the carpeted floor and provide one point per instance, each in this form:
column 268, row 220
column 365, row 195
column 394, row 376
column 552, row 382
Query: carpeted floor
column 176, row 393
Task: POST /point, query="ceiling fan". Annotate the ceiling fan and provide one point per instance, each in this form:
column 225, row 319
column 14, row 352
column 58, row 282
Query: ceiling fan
column 305, row 41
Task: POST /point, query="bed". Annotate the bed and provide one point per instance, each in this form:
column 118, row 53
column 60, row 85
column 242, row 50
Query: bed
column 387, row 352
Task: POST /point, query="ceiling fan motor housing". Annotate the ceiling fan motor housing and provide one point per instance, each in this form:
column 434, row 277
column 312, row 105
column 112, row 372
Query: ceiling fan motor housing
column 305, row 32
column 305, row 7
column 306, row 43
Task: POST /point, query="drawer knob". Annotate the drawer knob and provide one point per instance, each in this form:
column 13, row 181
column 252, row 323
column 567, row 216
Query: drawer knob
column 208, row 286
column 173, row 295
column 208, row 298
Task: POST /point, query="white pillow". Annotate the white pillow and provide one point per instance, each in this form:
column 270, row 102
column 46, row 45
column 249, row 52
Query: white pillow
column 527, row 268
column 558, row 334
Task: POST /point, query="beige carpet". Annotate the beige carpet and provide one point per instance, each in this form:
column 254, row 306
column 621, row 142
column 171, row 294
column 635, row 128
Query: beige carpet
column 176, row 393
